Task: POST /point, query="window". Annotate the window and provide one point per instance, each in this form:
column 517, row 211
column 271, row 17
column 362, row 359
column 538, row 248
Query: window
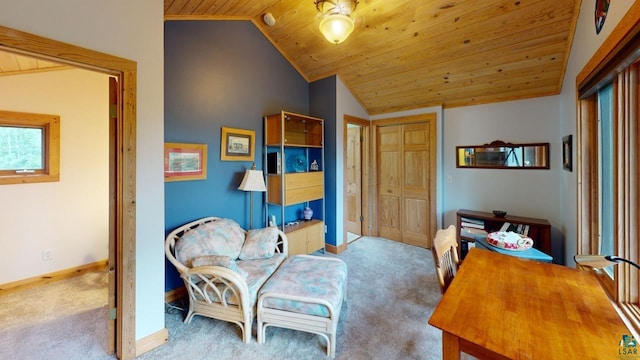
column 607, row 162
column 605, row 173
column 29, row 148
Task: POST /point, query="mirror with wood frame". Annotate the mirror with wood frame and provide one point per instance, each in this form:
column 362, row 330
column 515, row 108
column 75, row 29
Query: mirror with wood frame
column 502, row 155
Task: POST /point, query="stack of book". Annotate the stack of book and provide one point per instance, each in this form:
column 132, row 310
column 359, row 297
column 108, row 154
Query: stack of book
column 470, row 231
column 521, row 229
column 472, row 228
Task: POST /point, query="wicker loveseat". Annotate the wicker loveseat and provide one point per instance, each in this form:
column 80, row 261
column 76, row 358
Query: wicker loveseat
column 224, row 266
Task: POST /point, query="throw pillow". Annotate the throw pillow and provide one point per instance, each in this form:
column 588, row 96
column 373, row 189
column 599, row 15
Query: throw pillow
column 216, row 260
column 222, row 237
column 259, row 244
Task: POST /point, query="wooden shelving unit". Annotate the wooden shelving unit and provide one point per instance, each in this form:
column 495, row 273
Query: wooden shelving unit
column 539, row 229
column 294, row 142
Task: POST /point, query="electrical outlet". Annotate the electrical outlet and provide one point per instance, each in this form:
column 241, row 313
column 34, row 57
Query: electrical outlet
column 47, row 254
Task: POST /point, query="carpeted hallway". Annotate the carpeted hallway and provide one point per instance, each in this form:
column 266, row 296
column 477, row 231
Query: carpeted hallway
column 392, row 290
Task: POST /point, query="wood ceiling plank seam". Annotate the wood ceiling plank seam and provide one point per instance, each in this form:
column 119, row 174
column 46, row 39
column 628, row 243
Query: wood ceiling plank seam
column 8, row 62
column 497, row 28
column 290, row 20
column 445, row 63
column 265, row 7
column 393, row 57
column 26, row 63
column 277, row 46
column 433, row 60
column 516, row 80
column 231, row 7
column 176, row 6
column 443, row 68
column 572, row 32
column 487, row 99
column 190, row 7
column 388, row 56
column 495, row 87
column 377, row 110
column 204, row 7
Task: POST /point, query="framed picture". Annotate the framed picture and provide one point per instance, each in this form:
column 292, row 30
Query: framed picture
column 185, row 162
column 566, row 153
column 237, row 144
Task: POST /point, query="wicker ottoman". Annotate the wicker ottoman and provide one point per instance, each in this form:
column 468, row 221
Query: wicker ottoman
column 305, row 293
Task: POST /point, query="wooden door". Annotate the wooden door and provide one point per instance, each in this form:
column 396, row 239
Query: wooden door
column 404, row 173
column 354, row 180
column 390, row 166
column 113, row 118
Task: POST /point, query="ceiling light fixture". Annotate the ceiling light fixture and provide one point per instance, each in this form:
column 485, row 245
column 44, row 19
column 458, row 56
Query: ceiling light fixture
column 336, row 24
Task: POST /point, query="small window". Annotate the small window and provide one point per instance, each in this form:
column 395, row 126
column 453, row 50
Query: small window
column 29, row 148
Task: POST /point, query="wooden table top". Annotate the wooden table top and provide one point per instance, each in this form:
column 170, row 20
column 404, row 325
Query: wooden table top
column 525, row 309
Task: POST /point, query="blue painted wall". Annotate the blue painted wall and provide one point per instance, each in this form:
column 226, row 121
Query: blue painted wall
column 322, row 104
column 221, row 73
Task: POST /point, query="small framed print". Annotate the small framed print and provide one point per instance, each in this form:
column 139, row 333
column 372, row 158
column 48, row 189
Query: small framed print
column 185, row 162
column 237, row 144
column 567, row 153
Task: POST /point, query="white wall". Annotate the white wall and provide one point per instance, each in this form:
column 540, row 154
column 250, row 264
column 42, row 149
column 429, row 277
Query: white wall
column 346, row 104
column 529, row 193
column 132, row 30
column 69, row 217
column 585, row 44
column 549, row 194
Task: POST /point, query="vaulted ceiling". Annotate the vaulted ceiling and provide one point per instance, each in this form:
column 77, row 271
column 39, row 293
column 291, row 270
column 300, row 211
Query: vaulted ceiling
column 408, row 54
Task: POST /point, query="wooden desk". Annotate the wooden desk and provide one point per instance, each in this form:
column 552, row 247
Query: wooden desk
column 504, row 307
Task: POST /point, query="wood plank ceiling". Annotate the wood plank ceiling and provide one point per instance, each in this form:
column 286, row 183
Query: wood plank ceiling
column 406, row 54
column 409, row 54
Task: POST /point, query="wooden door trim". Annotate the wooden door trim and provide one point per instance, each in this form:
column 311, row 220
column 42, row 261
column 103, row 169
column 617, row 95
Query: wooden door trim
column 366, row 171
column 124, row 168
column 431, row 118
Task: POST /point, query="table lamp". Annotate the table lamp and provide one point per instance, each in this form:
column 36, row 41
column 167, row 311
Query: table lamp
column 253, row 181
column 601, row 261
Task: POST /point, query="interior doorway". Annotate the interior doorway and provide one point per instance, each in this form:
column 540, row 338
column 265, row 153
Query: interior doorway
column 122, row 167
column 356, row 178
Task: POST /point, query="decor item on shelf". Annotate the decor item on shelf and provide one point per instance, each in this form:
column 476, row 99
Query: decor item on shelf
column 253, row 181
column 296, row 163
column 308, row 213
column 314, row 166
column 601, row 261
column 499, row 213
column 336, row 24
column 509, row 240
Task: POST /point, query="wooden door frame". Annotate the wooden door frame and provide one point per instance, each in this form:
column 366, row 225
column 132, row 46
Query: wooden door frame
column 124, row 221
column 366, row 171
column 403, row 120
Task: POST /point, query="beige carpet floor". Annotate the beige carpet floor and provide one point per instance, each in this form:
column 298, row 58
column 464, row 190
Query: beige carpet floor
column 392, row 291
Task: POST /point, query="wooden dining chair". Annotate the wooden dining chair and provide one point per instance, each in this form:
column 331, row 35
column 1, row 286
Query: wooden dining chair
column 445, row 256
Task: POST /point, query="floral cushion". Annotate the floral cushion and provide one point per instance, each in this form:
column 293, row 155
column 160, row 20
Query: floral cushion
column 314, row 277
column 260, row 244
column 222, row 237
column 216, row 260
column 258, row 272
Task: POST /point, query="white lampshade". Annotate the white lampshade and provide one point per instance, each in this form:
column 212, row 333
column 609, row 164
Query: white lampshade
column 336, row 27
column 253, row 181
